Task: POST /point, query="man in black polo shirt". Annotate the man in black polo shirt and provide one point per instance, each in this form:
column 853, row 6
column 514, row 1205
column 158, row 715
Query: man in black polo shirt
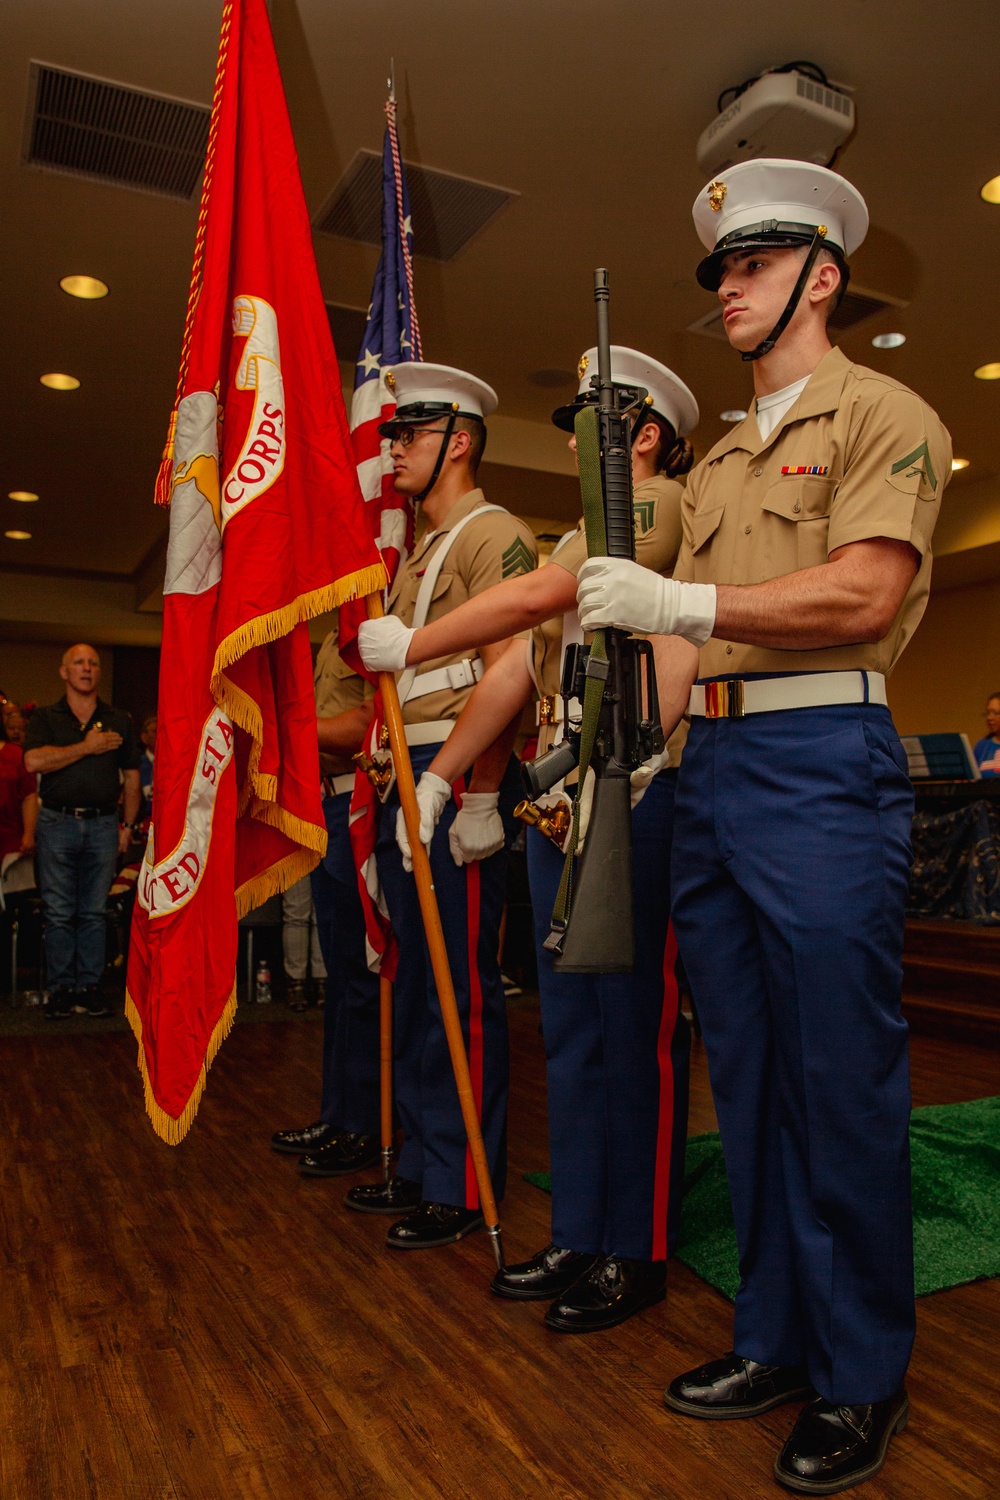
column 79, row 745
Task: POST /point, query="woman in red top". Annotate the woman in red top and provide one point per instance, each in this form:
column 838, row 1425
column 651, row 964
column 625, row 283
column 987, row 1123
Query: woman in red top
column 18, row 800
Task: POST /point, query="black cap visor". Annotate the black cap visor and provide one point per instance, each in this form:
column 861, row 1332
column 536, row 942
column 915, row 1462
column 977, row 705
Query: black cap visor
column 564, row 417
column 417, row 413
column 772, row 235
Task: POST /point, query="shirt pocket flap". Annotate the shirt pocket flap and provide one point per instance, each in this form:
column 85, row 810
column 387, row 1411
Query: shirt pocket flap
column 442, row 584
column 704, row 524
column 800, row 498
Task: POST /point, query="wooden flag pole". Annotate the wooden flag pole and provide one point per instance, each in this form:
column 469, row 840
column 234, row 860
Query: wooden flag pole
column 385, row 1072
column 435, row 943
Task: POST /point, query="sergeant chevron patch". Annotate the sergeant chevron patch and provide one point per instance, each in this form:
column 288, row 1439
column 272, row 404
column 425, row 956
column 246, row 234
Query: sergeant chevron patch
column 517, row 559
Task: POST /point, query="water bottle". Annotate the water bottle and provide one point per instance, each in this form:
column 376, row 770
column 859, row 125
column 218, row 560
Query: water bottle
column 262, row 987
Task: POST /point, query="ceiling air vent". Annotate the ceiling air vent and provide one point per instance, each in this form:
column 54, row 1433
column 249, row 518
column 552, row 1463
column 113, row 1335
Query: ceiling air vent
column 858, row 304
column 446, row 210
column 111, row 133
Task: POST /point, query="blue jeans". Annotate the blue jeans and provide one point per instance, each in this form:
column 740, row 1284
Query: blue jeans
column 76, row 865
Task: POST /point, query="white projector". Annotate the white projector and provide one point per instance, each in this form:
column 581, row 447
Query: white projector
column 782, row 114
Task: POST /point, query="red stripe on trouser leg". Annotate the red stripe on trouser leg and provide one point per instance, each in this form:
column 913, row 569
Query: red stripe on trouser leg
column 472, row 888
column 665, row 1119
column 473, row 921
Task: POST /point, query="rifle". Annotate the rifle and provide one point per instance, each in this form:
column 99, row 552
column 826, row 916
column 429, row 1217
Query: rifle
column 615, row 679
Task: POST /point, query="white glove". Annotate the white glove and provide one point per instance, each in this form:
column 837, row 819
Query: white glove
column 616, row 591
column 477, row 831
column 432, row 795
column 383, row 644
column 643, row 775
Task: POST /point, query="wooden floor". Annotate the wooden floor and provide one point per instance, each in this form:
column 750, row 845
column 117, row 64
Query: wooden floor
column 202, row 1324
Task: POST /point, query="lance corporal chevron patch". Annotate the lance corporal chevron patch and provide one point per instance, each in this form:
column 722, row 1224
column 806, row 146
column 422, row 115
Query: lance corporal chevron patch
column 914, row 473
column 517, row 559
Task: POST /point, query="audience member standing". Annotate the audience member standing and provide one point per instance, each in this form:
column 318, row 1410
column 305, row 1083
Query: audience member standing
column 83, row 749
column 18, row 800
column 300, row 943
column 987, row 751
column 148, row 737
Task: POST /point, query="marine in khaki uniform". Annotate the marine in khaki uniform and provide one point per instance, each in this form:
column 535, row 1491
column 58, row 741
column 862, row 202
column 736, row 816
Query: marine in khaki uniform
column 345, row 1137
column 804, row 572
column 616, row 1047
column 467, row 546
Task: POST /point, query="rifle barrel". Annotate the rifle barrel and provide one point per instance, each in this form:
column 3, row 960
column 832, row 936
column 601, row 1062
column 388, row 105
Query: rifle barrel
column 605, row 384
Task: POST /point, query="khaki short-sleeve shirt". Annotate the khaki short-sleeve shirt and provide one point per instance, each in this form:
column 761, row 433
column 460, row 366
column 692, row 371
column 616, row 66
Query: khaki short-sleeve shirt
column 657, row 510
column 858, row 456
column 337, row 690
column 491, row 548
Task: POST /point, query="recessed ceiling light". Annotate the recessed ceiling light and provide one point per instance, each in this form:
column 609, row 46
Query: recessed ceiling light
column 60, row 382
column 888, row 340
column 19, row 536
column 959, row 463
column 87, row 287
column 732, row 416
column 988, row 372
column 21, row 495
column 991, row 190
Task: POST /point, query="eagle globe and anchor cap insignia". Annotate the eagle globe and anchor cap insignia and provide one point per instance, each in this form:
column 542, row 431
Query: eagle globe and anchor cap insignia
column 582, row 367
column 716, row 192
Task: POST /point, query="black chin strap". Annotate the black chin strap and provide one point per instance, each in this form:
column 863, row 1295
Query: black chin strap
column 766, row 345
column 445, row 439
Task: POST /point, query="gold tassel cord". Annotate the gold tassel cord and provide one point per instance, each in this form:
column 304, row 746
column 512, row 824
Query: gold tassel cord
column 172, row 1130
column 164, row 477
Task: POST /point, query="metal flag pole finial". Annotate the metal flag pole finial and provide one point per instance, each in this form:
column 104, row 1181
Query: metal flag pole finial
column 390, row 82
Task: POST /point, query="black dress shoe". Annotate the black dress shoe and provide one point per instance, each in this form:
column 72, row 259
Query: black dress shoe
column 58, row 1008
column 611, row 1291
column 546, row 1275
column 88, row 1002
column 735, row 1387
column 833, row 1447
column 309, row 1138
column 432, row 1225
column 397, row 1196
column 348, row 1153
column 295, row 997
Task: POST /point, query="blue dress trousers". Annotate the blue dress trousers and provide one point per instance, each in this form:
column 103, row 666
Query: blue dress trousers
column 617, row 1052
column 790, row 871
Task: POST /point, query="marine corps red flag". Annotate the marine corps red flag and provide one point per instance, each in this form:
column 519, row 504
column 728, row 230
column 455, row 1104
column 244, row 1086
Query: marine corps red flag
column 266, row 530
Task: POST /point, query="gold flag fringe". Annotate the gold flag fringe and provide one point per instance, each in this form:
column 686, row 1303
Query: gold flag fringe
column 263, row 629
column 169, row 1129
column 275, row 878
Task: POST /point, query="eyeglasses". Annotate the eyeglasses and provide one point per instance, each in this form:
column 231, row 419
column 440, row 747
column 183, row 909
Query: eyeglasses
column 404, row 435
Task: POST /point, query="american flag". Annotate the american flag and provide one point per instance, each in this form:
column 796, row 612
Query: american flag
column 392, row 335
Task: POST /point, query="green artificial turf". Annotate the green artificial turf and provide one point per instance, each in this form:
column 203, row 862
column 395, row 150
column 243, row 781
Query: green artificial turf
column 955, row 1151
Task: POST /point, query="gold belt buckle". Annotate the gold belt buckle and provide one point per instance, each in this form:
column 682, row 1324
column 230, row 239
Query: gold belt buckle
column 546, row 709
column 725, row 700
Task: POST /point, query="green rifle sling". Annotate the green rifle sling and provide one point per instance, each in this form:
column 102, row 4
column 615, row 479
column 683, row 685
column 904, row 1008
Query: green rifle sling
column 588, row 457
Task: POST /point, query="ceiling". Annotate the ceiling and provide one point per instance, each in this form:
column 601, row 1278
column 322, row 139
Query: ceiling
column 590, row 116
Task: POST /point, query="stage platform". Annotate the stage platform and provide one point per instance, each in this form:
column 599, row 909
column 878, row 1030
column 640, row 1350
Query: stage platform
column 951, row 980
column 200, row 1323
